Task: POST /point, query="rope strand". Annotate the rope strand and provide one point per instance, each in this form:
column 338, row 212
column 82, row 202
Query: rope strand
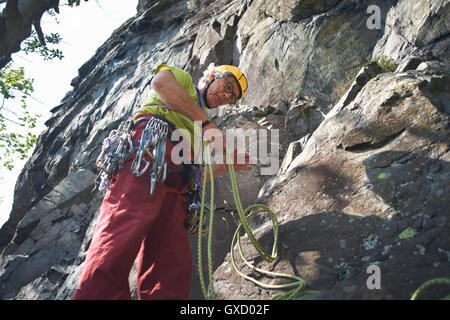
column 430, row 283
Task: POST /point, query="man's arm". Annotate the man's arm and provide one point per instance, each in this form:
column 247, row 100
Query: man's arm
column 219, row 169
column 176, row 97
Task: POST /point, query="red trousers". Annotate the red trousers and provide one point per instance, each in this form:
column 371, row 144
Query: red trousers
column 134, row 224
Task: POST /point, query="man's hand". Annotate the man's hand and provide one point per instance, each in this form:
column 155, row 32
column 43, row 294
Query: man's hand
column 221, row 168
column 213, row 134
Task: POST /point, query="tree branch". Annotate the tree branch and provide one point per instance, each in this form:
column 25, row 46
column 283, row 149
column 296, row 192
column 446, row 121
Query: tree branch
column 40, row 34
column 12, row 6
column 12, row 121
column 3, row 104
column 56, row 6
column 15, row 24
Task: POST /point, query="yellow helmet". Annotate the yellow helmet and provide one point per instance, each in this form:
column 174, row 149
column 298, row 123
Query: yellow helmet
column 239, row 76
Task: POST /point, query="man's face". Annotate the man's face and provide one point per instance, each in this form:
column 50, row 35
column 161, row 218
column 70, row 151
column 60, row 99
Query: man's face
column 223, row 91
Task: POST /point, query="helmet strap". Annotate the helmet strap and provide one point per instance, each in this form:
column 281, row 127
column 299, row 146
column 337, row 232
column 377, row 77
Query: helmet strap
column 205, row 100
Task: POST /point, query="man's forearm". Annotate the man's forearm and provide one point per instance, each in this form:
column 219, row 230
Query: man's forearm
column 176, row 97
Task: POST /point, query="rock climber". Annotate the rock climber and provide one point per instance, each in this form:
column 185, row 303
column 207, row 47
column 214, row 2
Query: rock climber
column 134, row 224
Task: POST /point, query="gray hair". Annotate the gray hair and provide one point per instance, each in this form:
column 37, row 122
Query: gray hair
column 204, row 80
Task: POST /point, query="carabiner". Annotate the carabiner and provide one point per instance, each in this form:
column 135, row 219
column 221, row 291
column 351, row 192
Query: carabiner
column 137, row 164
column 152, row 183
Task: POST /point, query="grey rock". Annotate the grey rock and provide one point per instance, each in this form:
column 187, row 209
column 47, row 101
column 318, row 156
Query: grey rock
column 303, row 116
column 409, row 63
column 294, row 149
column 416, row 27
column 363, row 76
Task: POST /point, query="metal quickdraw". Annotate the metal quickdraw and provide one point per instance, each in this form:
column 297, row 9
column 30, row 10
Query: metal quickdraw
column 152, row 143
column 115, row 149
column 194, row 197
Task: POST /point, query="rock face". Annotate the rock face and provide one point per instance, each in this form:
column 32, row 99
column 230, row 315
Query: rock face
column 420, row 28
column 369, row 172
column 374, row 165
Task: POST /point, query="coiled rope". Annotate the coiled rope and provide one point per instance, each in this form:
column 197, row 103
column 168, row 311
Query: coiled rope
column 431, row 283
column 244, row 215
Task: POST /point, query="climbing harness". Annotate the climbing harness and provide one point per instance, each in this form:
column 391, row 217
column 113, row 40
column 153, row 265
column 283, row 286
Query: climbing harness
column 244, row 215
column 118, row 148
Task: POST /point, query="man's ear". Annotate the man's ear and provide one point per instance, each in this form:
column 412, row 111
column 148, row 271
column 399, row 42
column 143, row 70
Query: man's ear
column 212, row 76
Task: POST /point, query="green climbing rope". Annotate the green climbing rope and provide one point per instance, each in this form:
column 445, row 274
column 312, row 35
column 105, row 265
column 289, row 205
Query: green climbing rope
column 244, row 215
column 210, row 231
column 428, row 284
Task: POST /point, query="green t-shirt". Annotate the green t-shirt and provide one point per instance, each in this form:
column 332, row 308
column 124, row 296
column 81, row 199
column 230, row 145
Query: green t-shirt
column 154, row 103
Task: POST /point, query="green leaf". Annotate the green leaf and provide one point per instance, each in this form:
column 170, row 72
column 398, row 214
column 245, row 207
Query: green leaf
column 15, row 145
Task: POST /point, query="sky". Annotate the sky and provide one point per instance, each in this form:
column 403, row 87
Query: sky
column 83, row 29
